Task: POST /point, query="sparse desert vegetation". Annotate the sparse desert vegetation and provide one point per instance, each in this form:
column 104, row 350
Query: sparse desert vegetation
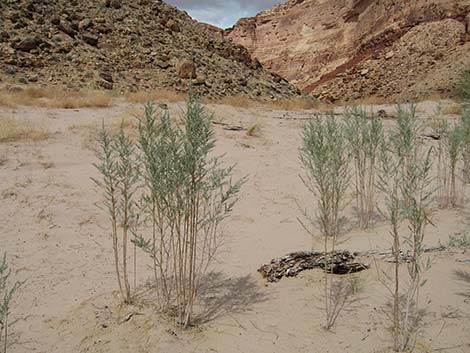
column 296, row 182
column 54, row 98
column 143, row 153
column 17, row 129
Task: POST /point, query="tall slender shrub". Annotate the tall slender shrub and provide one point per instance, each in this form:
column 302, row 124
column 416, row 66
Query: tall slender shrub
column 450, row 151
column 187, row 194
column 453, row 150
column 324, row 157
column 118, row 167
column 365, row 137
column 407, row 184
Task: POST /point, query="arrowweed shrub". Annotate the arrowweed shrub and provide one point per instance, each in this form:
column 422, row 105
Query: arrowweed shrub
column 440, row 129
column 324, row 158
column 365, row 137
column 450, row 150
column 453, row 148
column 407, row 185
column 6, row 294
column 118, row 167
column 185, row 194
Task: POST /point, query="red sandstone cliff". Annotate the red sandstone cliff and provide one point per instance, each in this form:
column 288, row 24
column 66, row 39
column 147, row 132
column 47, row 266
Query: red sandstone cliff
column 357, row 48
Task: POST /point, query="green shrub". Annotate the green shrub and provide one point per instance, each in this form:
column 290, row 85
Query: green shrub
column 406, row 182
column 324, row 156
column 185, row 194
column 6, row 294
column 463, row 87
column 365, row 137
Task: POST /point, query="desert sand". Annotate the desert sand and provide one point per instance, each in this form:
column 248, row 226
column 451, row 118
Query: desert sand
column 58, row 241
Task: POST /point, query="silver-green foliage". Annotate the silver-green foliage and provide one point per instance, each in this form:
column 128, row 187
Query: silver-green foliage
column 461, row 240
column 187, row 194
column 324, row 157
column 450, row 151
column 365, row 137
column 118, row 167
column 406, row 182
column 7, row 290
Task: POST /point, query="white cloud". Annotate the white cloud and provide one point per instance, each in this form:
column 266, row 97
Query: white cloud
column 222, row 13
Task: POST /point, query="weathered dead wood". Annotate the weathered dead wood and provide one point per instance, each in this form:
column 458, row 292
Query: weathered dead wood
column 337, row 262
column 228, row 127
column 431, row 136
column 404, row 256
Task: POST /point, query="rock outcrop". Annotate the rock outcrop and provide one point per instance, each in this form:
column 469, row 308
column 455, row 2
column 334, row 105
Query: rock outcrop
column 339, row 49
column 125, row 45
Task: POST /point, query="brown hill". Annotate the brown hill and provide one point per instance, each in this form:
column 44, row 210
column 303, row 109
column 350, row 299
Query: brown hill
column 126, row 45
column 338, row 49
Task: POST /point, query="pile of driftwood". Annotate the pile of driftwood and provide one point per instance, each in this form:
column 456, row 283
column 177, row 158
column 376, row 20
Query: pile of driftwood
column 337, row 262
column 403, row 256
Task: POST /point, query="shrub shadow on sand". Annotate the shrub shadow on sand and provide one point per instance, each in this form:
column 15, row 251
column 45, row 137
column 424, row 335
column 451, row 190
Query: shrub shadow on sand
column 222, row 295
column 463, row 277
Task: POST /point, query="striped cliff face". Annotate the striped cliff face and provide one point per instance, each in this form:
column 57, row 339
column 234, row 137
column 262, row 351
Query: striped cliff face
column 312, row 42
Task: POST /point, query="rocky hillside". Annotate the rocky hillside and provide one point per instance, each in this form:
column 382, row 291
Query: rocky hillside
column 337, row 49
column 125, row 45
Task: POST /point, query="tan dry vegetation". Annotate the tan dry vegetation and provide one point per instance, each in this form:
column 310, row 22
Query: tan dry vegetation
column 50, row 225
column 300, row 103
column 155, row 95
column 451, row 109
column 54, row 98
column 254, row 130
column 14, row 129
column 89, row 132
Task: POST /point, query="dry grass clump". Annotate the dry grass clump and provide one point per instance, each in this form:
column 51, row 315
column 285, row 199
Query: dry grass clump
column 54, row 98
column 451, row 109
column 298, row 103
column 254, row 130
column 128, row 121
column 12, row 129
column 75, row 100
column 155, row 95
column 234, row 101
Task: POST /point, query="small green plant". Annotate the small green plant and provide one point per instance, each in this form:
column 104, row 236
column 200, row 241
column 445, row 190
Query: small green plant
column 254, row 130
column 465, row 130
column 461, row 241
column 324, row 157
column 357, row 285
column 463, row 87
column 6, row 294
column 365, row 137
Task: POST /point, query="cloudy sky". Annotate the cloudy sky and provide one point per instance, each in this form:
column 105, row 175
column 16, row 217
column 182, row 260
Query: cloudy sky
column 222, row 13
